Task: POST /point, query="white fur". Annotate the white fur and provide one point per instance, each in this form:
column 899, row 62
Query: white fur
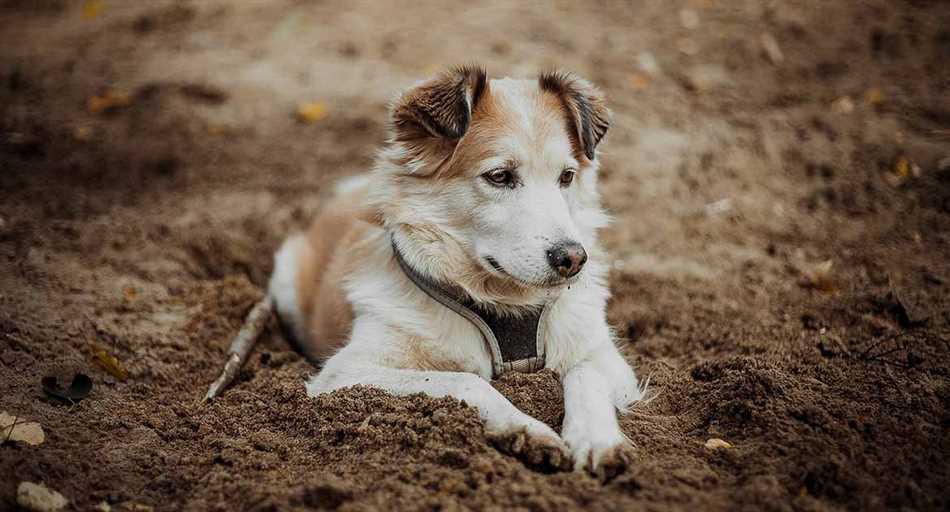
column 283, row 281
column 394, row 319
column 351, row 184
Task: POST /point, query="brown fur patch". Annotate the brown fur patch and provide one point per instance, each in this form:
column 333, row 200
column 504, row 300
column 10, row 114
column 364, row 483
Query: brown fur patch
column 334, row 243
column 498, row 119
column 475, row 145
column 587, row 113
column 429, row 119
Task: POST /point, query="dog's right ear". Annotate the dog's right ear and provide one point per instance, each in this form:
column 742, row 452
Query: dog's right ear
column 429, row 119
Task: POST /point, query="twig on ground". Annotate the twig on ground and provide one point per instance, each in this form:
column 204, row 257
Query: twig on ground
column 877, row 343
column 242, row 345
column 12, row 426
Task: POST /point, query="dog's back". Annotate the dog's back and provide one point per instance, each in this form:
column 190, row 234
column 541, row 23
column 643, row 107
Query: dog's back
column 310, row 269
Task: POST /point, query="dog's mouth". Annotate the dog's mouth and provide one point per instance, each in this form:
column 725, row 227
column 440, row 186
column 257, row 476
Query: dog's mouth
column 553, row 282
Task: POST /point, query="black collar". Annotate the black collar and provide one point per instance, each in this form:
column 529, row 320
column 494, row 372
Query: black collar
column 514, row 342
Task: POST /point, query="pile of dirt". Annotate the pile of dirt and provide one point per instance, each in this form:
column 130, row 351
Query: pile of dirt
column 779, row 173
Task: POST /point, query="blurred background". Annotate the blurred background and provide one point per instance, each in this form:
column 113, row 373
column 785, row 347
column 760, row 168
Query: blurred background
column 779, row 174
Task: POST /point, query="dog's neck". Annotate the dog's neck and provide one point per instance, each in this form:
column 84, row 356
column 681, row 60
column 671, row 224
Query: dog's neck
column 514, row 341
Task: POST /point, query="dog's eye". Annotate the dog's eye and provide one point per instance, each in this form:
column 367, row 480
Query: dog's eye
column 567, row 177
column 500, row 177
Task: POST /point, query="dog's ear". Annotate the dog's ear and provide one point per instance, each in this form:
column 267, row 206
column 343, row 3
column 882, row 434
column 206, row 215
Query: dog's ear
column 587, row 113
column 432, row 116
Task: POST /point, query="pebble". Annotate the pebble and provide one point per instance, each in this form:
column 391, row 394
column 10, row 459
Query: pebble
column 772, row 49
column 705, row 77
column 15, row 428
column 648, row 63
column 689, row 18
column 719, row 207
column 843, row 105
column 38, row 498
column 715, row 443
column 687, row 46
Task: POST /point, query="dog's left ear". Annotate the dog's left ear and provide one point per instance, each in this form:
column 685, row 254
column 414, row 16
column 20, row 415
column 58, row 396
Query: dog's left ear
column 429, row 119
column 588, row 116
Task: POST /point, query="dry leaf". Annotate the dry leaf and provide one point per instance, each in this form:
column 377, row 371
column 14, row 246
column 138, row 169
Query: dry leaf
column 312, row 112
column 16, row 429
column 79, row 388
column 137, row 507
column 130, row 293
column 819, row 277
column 92, row 8
column 874, row 96
column 640, row 80
column 904, row 169
column 715, row 444
column 109, row 363
column 218, row 129
column 38, row 497
column 205, row 93
column 110, row 99
column 82, row 133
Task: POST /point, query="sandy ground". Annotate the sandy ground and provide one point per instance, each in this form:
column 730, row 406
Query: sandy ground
column 752, row 143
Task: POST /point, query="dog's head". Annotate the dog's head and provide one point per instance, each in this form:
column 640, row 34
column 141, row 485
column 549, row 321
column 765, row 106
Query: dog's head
column 492, row 184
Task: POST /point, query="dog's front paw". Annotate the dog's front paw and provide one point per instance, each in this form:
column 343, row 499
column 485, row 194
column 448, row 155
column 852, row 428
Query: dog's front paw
column 536, row 444
column 604, row 457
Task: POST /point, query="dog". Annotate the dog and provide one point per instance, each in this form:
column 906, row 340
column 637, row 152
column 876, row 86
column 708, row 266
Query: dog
column 470, row 249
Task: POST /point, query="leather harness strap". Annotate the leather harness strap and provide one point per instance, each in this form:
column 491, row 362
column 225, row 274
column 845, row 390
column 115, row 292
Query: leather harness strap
column 516, row 343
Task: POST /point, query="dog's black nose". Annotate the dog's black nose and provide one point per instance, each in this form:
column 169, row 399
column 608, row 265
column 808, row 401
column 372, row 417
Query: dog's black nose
column 567, row 258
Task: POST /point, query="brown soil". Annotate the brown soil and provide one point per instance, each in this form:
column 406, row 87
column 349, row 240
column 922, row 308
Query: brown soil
column 147, row 229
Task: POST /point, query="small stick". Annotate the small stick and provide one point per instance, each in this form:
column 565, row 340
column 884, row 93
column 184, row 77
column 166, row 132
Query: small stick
column 879, row 341
column 242, row 345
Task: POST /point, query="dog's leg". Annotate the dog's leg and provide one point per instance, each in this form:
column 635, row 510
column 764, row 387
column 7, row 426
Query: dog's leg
column 512, row 430
column 593, row 391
